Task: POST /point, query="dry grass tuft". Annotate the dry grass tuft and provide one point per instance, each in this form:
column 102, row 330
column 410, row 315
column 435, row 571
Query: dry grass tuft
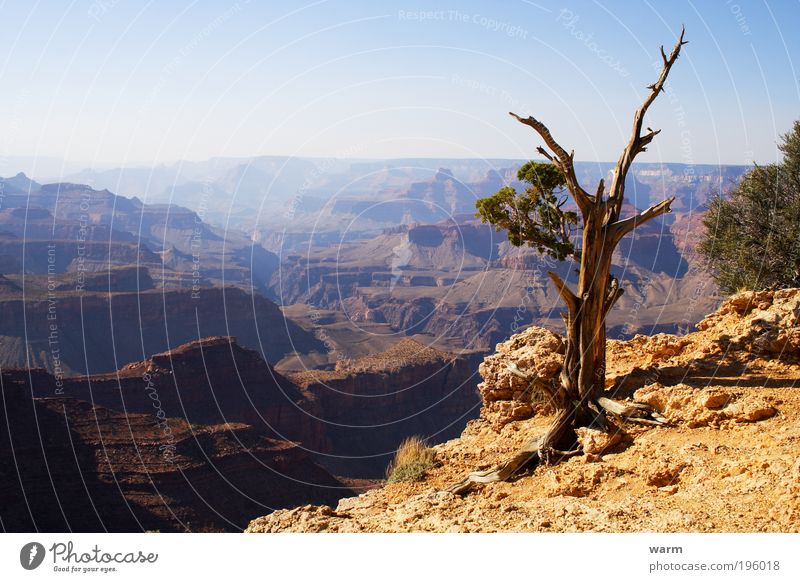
column 411, row 461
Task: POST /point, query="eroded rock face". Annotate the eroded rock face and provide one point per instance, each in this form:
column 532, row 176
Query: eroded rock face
column 596, row 442
column 369, row 405
column 766, row 323
column 749, row 327
column 227, row 414
column 70, row 465
column 694, row 408
column 210, row 381
column 507, row 396
column 99, row 331
column 726, row 461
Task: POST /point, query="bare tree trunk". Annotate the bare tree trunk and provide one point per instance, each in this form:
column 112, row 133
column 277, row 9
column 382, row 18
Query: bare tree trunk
column 579, row 400
column 583, row 371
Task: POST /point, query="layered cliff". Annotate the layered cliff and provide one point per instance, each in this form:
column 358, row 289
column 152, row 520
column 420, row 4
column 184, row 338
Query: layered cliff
column 85, row 229
column 209, row 381
column 160, row 443
column 95, row 332
column 461, row 279
column 369, row 405
column 68, row 465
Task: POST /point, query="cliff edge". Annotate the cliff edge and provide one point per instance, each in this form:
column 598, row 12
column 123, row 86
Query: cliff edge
column 727, row 461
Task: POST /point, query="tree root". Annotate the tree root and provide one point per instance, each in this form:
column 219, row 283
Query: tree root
column 502, row 472
column 542, row 449
column 632, row 411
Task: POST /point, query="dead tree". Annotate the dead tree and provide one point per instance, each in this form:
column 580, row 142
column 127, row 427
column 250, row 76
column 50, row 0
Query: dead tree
column 578, row 396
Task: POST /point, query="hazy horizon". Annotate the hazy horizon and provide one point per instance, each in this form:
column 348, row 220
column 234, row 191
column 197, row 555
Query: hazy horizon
column 9, row 163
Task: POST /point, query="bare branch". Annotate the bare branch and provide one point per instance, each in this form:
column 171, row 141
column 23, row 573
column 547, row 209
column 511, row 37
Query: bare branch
column 638, row 143
column 622, row 227
column 601, row 187
column 614, row 293
column 546, row 154
column 645, row 140
column 568, row 296
column 561, row 158
column 632, row 411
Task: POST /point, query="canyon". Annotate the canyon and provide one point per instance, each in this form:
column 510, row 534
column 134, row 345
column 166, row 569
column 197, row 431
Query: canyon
column 271, row 343
column 85, row 331
column 204, row 436
column 70, row 465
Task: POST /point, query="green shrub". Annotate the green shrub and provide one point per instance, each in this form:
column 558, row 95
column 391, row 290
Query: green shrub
column 752, row 238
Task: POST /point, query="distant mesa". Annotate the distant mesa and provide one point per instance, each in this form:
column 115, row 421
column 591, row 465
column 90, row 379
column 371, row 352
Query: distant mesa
column 99, row 330
column 443, row 174
column 427, row 236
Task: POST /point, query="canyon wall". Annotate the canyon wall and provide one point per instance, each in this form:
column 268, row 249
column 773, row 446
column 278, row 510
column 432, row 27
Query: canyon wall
column 100, row 332
column 68, row 465
column 369, row 405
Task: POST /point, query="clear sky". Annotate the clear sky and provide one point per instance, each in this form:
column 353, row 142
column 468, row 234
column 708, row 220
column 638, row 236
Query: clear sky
column 123, row 82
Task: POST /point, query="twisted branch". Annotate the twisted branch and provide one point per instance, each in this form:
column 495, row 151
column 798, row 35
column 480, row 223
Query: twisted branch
column 562, row 159
column 622, row 227
column 566, row 294
column 638, row 142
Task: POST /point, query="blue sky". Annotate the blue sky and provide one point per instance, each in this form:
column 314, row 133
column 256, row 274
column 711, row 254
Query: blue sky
column 121, row 82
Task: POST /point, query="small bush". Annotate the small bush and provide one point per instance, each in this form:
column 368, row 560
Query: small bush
column 752, row 238
column 411, row 461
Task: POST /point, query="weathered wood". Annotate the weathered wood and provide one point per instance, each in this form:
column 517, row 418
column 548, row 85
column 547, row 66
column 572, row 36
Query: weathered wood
column 620, row 228
column 561, row 158
column 618, row 408
column 501, row 472
column 580, row 399
column 632, row 411
column 568, row 296
column 539, row 450
column 637, row 141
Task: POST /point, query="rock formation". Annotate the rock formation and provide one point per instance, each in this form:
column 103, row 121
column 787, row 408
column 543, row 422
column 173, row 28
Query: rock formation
column 747, row 327
column 207, row 435
column 459, row 278
column 68, row 465
column 98, row 332
column 369, row 405
column 506, row 394
column 209, row 381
